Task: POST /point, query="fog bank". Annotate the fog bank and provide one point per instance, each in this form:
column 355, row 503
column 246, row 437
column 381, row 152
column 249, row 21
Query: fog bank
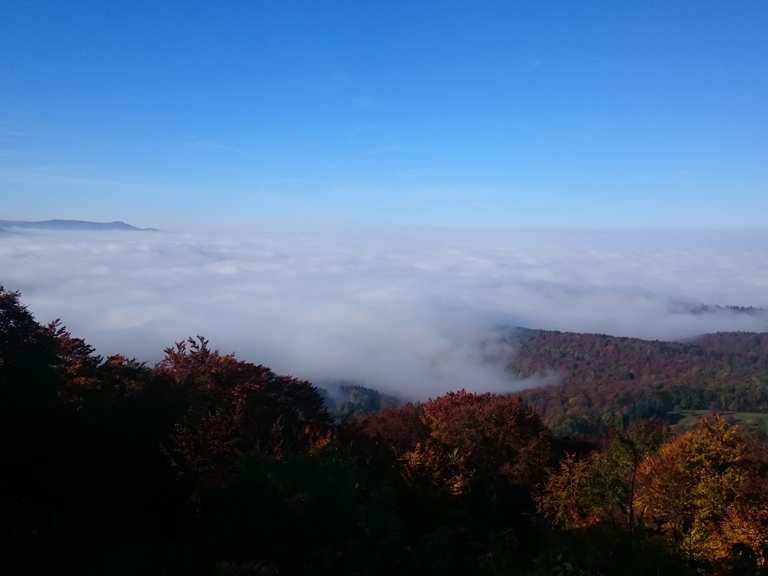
column 399, row 310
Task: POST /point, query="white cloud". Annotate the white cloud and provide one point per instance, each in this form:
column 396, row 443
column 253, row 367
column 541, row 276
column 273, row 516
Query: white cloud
column 399, row 310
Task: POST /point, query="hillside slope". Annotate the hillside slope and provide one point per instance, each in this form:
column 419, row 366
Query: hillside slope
column 606, row 380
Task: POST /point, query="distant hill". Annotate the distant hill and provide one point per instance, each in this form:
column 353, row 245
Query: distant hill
column 606, row 380
column 346, row 400
column 701, row 309
column 77, row 225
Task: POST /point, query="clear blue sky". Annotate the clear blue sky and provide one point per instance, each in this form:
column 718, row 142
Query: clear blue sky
column 583, row 114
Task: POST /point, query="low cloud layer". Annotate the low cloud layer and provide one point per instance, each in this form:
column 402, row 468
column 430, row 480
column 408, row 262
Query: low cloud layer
column 402, row 311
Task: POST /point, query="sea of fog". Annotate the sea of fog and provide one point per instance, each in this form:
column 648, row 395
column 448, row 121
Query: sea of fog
column 402, row 310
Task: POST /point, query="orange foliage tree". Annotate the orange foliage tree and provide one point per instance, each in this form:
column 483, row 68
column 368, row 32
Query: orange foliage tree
column 601, row 488
column 237, row 409
column 707, row 491
column 460, row 440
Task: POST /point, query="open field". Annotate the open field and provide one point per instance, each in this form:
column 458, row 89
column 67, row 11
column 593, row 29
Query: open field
column 751, row 420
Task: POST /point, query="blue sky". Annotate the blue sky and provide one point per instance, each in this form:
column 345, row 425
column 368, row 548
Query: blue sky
column 554, row 114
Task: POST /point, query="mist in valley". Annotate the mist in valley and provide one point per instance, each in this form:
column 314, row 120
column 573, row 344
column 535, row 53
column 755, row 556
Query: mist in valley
column 407, row 311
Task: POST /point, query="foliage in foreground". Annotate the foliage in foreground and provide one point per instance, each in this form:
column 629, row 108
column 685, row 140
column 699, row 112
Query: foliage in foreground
column 205, row 464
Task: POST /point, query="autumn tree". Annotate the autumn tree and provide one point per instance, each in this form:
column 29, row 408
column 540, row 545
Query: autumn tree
column 235, row 409
column 478, row 437
column 705, row 490
column 602, row 487
column 79, row 453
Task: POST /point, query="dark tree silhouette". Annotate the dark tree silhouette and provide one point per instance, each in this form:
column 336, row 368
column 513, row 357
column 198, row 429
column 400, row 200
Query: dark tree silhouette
column 207, row 464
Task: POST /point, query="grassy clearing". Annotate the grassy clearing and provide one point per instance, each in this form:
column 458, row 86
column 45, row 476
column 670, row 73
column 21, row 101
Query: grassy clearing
column 751, row 420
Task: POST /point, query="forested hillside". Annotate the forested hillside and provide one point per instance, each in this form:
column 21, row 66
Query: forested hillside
column 206, row 464
column 606, row 381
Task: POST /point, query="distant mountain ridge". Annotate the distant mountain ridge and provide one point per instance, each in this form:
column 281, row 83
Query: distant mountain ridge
column 82, row 225
column 700, row 309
